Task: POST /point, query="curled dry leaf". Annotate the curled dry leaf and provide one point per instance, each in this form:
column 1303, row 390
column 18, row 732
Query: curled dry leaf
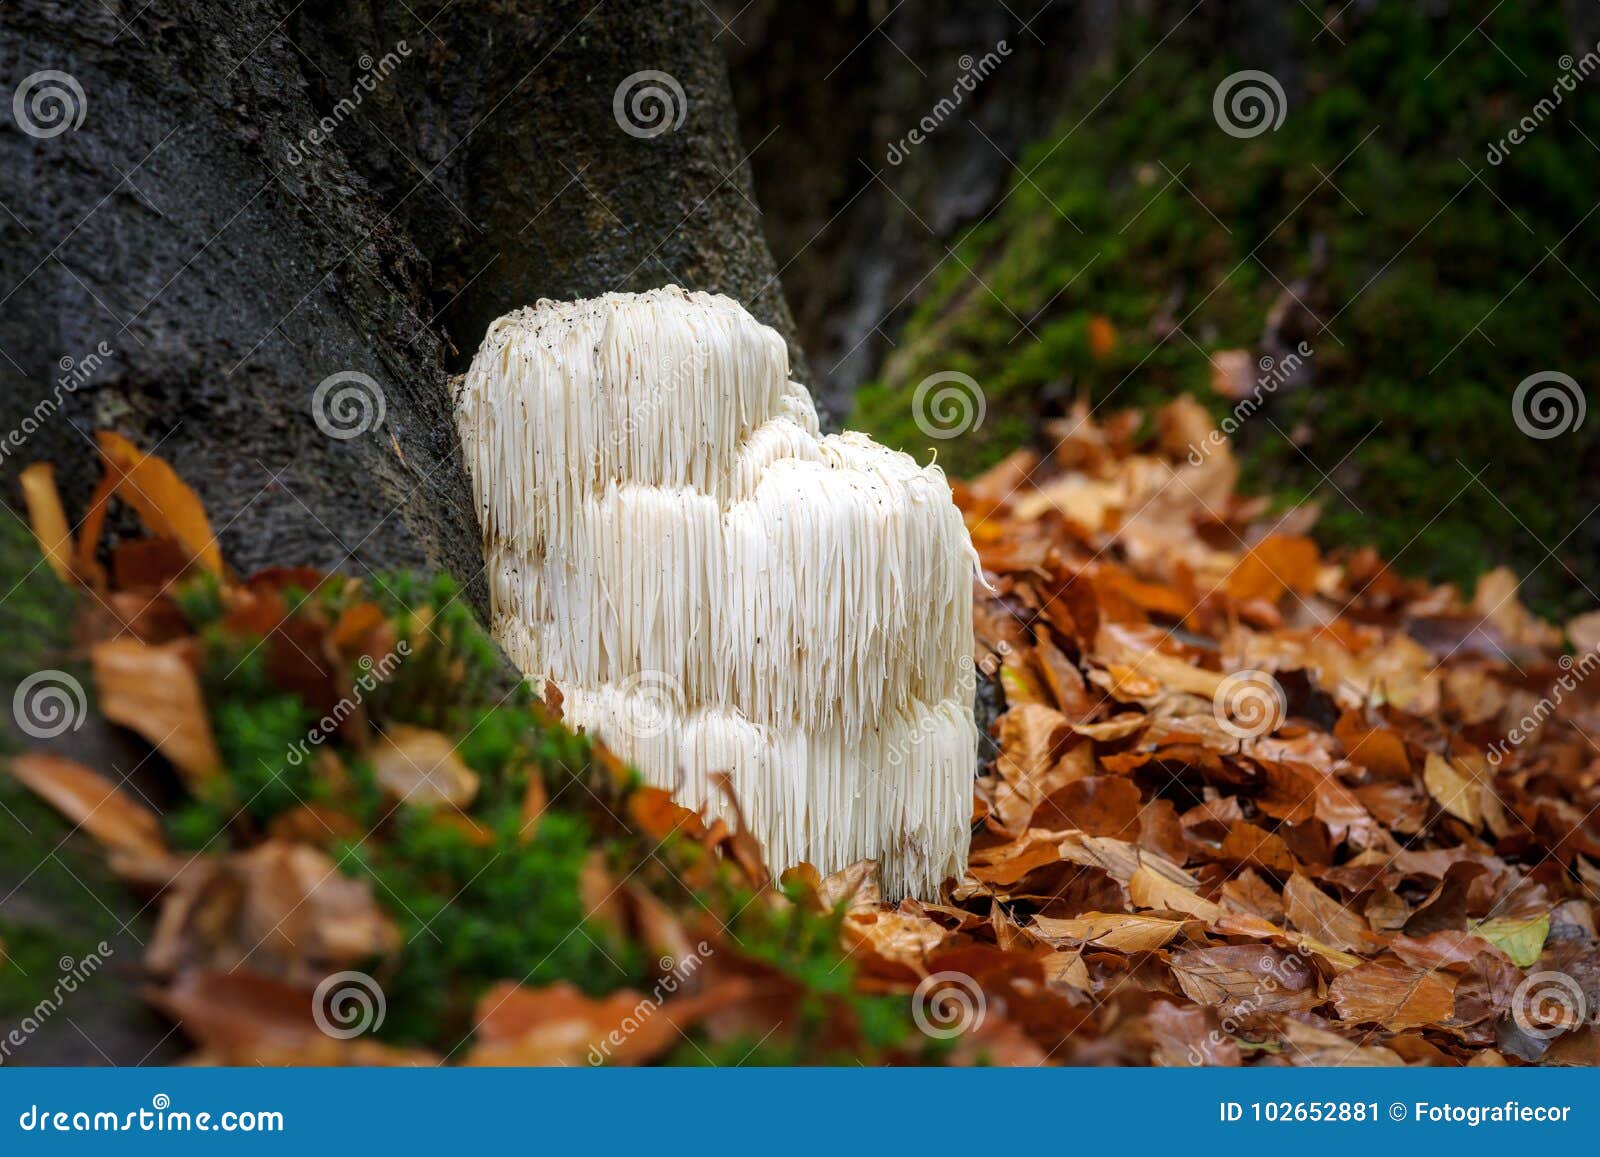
column 166, row 506
column 153, row 691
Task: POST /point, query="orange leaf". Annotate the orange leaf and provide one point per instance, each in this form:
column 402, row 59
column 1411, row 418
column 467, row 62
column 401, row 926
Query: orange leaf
column 152, row 690
column 92, row 802
column 47, row 517
column 1102, row 336
column 166, row 506
column 1393, row 994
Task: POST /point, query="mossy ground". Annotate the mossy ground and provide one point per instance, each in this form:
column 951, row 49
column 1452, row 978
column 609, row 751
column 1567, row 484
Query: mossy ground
column 485, row 900
column 1433, row 282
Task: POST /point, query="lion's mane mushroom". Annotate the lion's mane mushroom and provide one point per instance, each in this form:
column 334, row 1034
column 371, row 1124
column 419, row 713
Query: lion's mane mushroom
column 714, row 586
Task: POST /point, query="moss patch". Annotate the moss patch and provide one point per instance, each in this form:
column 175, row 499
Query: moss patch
column 1427, row 281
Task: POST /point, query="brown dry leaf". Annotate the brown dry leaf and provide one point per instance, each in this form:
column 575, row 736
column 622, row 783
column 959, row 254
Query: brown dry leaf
column 1495, row 599
column 535, row 798
column 560, row 1026
column 1102, row 336
column 1451, row 790
column 94, row 803
column 1101, row 805
column 1584, row 632
column 1243, row 979
column 153, row 691
column 1152, row 880
column 285, row 911
column 1277, row 563
column 855, row 887
column 903, row 935
column 240, row 1018
column 1393, row 994
column 1118, row 930
column 420, row 767
column 47, row 517
column 1067, row 968
column 1032, row 738
column 1187, row 1036
column 1318, row 914
column 1310, row 1046
column 1007, row 863
column 166, row 506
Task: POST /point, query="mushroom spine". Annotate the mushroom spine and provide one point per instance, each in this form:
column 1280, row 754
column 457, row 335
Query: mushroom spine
column 716, row 587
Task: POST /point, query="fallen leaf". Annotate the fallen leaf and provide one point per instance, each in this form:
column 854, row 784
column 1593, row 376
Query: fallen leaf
column 92, row 802
column 1451, row 790
column 49, row 521
column 1118, row 930
column 1393, row 994
column 167, row 507
column 1520, row 939
column 153, row 691
column 421, row 768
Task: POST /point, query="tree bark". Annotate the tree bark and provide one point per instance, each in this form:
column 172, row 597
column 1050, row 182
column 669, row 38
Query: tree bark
column 259, row 197
column 248, row 209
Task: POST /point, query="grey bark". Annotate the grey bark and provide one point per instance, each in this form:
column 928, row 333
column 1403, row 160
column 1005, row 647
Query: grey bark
column 239, row 216
column 230, row 224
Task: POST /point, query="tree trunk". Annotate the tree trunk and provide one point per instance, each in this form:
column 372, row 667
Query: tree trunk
column 260, row 198
column 274, row 234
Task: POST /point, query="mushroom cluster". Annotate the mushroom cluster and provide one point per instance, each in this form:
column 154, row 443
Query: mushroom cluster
column 716, row 587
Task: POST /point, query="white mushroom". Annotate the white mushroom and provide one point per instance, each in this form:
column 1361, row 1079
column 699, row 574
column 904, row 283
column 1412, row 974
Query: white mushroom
column 716, row 587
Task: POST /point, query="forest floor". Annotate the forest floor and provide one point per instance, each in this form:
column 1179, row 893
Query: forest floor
column 1246, row 804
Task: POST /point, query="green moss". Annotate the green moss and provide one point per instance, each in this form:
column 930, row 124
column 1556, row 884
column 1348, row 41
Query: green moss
column 35, row 611
column 471, row 914
column 1433, row 292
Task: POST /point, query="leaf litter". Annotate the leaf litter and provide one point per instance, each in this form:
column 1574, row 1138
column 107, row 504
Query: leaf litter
column 1246, row 804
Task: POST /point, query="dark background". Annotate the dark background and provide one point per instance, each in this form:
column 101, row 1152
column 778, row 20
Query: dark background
column 1087, row 176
